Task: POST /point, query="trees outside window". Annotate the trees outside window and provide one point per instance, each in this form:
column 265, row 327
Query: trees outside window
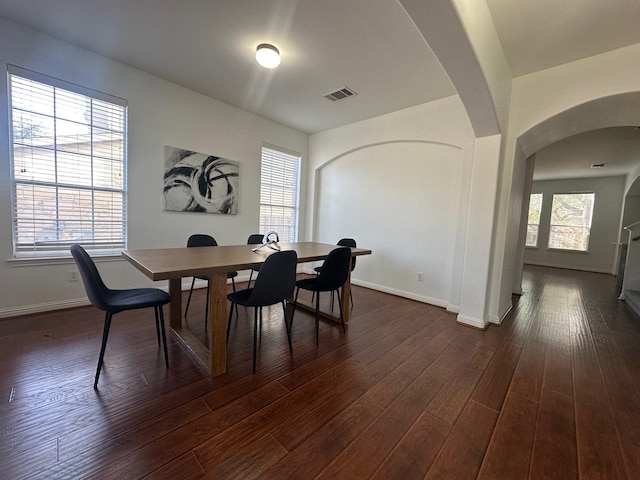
column 571, row 215
column 533, row 225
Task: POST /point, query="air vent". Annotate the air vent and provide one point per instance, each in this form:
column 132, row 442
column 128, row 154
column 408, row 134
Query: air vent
column 598, row 165
column 341, row 94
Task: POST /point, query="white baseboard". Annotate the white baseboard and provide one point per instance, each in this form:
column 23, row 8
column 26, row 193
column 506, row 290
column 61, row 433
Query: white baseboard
column 43, row 307
column 471, row 321
column 401, row 293
column 497, row 320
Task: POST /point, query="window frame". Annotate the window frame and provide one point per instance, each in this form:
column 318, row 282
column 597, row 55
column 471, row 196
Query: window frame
column 291, row 163
column 103, row 107
column 587, row 227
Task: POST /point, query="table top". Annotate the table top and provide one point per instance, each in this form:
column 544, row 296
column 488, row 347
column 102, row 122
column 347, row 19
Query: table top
column 168, row 263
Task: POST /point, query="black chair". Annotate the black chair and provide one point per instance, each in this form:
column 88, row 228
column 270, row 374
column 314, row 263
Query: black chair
column 254, row 239
column 274, row 285
column 332, row 276
column 343, row 242
column 203, row 240
column 114, row 301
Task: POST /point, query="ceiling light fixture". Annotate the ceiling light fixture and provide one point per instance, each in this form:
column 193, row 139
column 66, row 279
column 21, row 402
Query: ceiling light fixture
column 267, row 55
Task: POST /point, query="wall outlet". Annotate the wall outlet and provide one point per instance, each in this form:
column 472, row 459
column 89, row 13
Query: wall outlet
column 420, row 276
column 73, row 276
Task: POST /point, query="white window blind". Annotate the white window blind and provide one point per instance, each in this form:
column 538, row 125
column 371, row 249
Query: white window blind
column 279, row 192
column 68, row 167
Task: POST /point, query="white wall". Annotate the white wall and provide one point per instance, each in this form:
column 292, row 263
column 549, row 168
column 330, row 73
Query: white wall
column 399, row 184
column 605, row 227
column 160, row 113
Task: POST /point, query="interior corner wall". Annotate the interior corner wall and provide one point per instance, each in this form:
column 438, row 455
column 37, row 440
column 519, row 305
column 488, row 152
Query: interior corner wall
column 399, row 185
column 159, row 113
column 603, row 238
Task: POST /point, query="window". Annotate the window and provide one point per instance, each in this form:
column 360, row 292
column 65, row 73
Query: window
column 279, row 187
column 571, row 221
column 68, row 167
column 533, row 225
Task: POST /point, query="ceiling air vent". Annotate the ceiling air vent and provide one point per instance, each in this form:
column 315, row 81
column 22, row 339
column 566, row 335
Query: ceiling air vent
column 341, row 94
column 598, row 165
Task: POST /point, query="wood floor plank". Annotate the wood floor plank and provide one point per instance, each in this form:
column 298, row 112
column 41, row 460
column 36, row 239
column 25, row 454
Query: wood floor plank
column 463, row 452
column 554, row 451
column 492, row 387
column 413, row 455
column 598, row 445
column 185, row 467
column 509, row 452
column 312, row 456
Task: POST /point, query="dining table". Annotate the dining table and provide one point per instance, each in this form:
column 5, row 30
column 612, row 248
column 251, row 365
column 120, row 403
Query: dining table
column 173, row 264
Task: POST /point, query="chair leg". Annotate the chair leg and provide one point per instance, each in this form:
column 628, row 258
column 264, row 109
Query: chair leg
column 341, row 315
column 229, row 321
column 286, row 324
column 250, row 277
column 105, row 334
column 160, row 312
column 260, row 326
column 233, row 284
column 155, row 311
column 255, row 336
column 189, row 297
column 317, row 319
column 293, row 311
column 351, row 297
column 206, row 308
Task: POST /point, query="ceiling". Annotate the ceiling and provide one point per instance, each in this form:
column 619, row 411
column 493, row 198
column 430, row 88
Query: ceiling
column 370, row 46
column 618, row 148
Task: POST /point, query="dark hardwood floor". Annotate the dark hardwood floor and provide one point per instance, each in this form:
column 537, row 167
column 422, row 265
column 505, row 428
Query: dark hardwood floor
column 406, row 393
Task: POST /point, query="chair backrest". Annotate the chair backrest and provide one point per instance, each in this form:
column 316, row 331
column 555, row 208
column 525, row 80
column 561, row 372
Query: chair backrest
column 93, row 284
column 201, row 240
column 255, row 239
column 335, row 269
column 277, row 279
column 349, row 242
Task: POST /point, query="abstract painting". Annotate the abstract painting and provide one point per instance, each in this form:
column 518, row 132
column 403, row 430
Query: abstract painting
column 197, row 182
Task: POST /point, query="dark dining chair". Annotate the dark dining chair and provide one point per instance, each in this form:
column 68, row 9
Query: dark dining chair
column 343, row 242
column 203, row 240
column 274, row 285
column 115, row 301
column 254, row 239
column 333, row 275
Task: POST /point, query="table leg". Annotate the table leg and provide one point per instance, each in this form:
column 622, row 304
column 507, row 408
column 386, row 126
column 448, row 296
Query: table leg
column 175, row 307
column 218, row 324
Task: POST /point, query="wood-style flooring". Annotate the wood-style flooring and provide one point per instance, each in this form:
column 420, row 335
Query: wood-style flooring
column 406, row 393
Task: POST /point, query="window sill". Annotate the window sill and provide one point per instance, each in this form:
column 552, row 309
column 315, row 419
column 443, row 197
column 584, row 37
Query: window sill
column 563, row 250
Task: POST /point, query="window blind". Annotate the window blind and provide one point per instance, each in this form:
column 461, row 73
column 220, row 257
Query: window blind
column 68, row 166
column 279, row 193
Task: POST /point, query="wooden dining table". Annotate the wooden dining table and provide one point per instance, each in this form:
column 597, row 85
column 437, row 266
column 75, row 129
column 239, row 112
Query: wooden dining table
column 173, row 264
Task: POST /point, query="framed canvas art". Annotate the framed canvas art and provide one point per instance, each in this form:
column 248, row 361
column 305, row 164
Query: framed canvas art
column 198, row 182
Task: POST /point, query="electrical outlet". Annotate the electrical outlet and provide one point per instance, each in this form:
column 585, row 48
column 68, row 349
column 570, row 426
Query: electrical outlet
column 73, row 276
column 420, row 276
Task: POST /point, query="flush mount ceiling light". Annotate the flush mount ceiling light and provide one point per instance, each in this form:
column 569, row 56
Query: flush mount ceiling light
column 267, row 55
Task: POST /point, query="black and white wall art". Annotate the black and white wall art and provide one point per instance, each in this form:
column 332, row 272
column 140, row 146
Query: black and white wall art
column 197, row 182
